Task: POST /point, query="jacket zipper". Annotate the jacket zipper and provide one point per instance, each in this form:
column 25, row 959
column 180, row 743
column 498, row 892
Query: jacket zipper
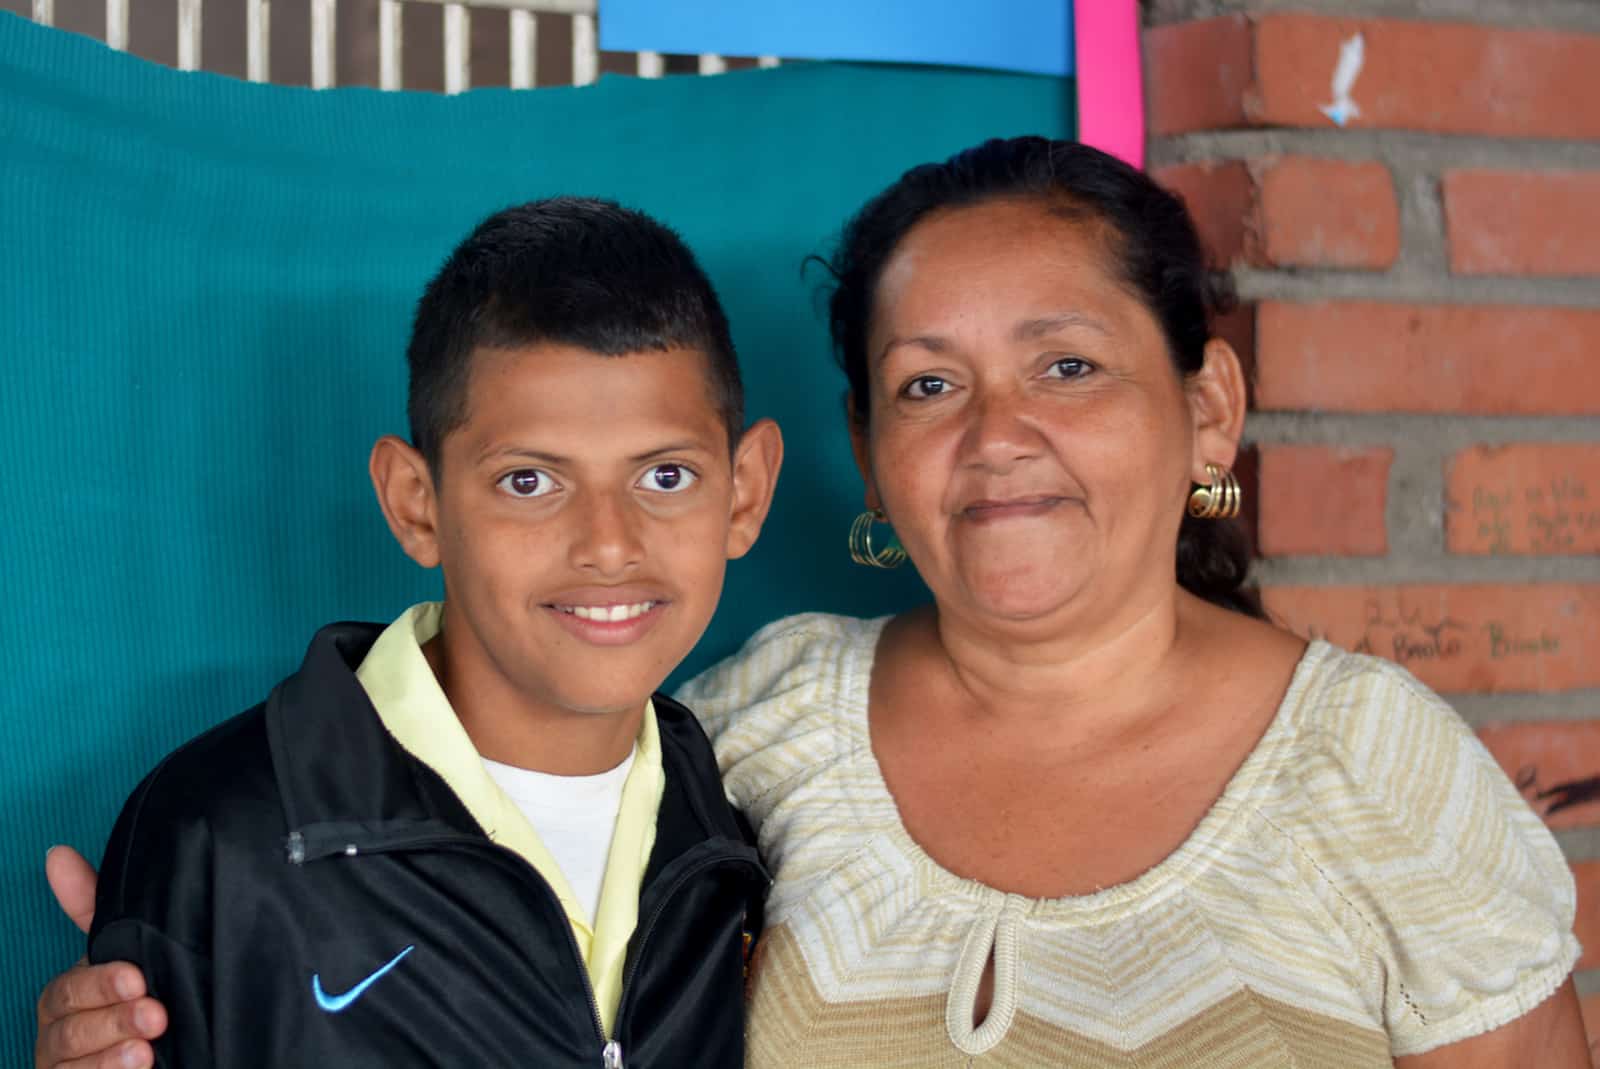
column 611, row 1054
column 648, row 927
column 610, row 1050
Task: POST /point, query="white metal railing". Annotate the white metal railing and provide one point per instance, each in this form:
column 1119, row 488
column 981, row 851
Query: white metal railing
column 456, row 39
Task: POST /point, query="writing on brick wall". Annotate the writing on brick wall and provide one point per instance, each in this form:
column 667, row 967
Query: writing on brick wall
column 1516, row 500
column 1467, row 637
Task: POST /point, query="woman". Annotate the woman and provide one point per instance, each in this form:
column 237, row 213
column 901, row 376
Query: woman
column 1089, row 808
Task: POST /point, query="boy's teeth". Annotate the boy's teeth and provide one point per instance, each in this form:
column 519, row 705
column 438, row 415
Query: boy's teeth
column 611, row 613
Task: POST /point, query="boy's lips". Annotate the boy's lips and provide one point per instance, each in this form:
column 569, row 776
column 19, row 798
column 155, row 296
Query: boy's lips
column 608, row 615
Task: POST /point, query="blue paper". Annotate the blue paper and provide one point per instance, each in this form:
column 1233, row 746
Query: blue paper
column 1019, row 35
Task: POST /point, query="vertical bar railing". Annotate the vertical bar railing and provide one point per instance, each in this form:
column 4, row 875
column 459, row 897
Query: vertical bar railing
column 457, row 48
column 117, row 24
column 524, row 49
column 188, row 35
column 457, row 40
column 258, row 37
column 390, row 41
column 585, row 50
column 324, row 43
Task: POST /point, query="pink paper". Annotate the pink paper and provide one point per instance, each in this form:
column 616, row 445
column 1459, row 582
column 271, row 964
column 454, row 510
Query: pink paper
column 1110, row 83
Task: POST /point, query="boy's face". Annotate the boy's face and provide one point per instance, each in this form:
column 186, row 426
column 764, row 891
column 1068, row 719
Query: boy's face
column 583, row 516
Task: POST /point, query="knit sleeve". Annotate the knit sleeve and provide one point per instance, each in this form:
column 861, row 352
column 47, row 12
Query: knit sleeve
column 1465, row 897
column 772, row 709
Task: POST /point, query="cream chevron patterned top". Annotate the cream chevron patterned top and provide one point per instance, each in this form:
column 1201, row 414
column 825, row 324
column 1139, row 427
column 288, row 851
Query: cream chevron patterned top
column 1369, row 885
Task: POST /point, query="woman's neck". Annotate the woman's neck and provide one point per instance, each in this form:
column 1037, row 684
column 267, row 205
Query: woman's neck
column 1047, row 669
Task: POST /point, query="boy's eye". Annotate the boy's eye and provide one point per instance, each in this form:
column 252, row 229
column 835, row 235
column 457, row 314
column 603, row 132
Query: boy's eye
column 667, row 479
column 1070, row 367
column 527, row 482
column 925, row 386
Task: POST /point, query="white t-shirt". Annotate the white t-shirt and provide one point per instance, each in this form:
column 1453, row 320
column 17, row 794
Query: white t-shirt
column 575, row 817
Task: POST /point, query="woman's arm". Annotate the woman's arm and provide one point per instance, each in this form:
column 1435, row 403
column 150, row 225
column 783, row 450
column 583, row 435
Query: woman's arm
column 92, row 1016
column 1550, row 1036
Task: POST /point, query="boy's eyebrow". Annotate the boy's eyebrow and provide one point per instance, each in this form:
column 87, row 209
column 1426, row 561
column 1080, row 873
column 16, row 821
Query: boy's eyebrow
column 506, row 451
column 687, row 445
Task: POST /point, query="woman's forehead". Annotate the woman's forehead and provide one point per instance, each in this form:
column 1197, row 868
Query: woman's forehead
column 1012, row 258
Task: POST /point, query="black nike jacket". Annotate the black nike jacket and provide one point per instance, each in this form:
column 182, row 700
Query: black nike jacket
column 301, row 891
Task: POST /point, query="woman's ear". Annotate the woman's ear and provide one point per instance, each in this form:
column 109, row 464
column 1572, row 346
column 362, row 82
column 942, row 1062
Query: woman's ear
column 404, row 485
column 856, row 419
column 1217, row 396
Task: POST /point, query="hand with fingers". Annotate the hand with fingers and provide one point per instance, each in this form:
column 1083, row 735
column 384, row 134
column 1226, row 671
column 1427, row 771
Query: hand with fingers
column 92, row 1016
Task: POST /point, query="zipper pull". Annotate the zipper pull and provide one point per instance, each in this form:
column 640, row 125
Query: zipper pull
column 612, row 1055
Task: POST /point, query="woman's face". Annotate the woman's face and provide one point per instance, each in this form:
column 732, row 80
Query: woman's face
column 1029, row 437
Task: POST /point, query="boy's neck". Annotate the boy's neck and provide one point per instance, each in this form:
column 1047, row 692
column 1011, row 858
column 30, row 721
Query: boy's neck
column 506, row 726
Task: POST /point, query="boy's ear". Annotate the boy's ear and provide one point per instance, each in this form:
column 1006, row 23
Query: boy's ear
column 404, row 486
column 756, row 461
column 1217, row 397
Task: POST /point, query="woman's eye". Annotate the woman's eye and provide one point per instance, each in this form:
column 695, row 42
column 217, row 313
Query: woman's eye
column 925, row 386
column 1070, row 367
column 527, row 482
column 668, row 479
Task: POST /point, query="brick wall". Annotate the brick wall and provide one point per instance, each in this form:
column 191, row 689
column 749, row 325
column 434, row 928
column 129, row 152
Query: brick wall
column 1420, row 263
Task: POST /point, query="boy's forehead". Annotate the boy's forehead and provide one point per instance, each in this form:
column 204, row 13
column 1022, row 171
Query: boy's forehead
column 546, row 382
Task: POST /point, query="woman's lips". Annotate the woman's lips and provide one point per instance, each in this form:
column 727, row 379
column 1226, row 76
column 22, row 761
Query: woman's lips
column 989, row 509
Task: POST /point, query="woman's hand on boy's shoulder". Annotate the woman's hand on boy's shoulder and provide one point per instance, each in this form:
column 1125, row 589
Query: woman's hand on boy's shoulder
column 92, row 1016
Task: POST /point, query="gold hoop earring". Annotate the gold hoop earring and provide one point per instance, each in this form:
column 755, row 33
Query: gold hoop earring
column 860, row 542
column 1218, row 501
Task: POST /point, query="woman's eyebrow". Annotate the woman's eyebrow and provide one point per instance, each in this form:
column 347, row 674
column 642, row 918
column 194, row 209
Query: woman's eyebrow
column 931, row 342
column 1033, row 329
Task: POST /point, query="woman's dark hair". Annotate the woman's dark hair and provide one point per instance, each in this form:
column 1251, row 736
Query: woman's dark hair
column 1152, row 244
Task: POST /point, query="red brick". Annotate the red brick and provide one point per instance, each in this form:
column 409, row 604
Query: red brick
column 1442, row 77
column 1523, row 223
column 1454, row 78
column 1291, row 212
column 1540, row 757
column 1197, row 74
column 1587, row 927
column 1469, row 637
column 1591, row 1021
column 1524, row 499
column 1357, row 356
column 1328, row 213
column 1321, row 501
column 1222, row 199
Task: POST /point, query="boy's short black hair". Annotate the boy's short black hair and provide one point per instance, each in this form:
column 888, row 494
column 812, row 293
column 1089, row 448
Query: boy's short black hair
column 571, row 271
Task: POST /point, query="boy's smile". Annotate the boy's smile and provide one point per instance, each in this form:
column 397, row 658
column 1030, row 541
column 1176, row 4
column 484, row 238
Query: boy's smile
column 583, row 515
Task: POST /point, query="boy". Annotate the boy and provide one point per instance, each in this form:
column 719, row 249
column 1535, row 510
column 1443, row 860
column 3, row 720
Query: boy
column 473, row 838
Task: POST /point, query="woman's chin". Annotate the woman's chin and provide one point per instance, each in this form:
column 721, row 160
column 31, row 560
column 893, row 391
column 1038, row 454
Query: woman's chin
column 1023, row 602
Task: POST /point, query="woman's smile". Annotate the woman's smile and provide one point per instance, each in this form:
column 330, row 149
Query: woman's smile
column 995, row 510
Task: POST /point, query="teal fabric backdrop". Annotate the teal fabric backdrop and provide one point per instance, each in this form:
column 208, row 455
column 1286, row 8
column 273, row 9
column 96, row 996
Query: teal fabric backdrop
column 205, row 297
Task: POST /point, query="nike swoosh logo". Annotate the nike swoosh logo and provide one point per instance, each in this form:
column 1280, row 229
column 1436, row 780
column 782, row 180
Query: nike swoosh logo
column 338, row 1003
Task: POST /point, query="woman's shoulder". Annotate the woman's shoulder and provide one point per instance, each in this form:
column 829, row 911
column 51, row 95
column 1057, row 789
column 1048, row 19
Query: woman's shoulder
column 1424, row 848
column 1369, row 713
column 790, row 669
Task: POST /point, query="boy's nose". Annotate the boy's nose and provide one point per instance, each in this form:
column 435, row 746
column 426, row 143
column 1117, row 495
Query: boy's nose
column 607, row 541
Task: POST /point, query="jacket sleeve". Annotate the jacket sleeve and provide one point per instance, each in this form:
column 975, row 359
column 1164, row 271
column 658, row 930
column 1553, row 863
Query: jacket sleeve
column 153, row 908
